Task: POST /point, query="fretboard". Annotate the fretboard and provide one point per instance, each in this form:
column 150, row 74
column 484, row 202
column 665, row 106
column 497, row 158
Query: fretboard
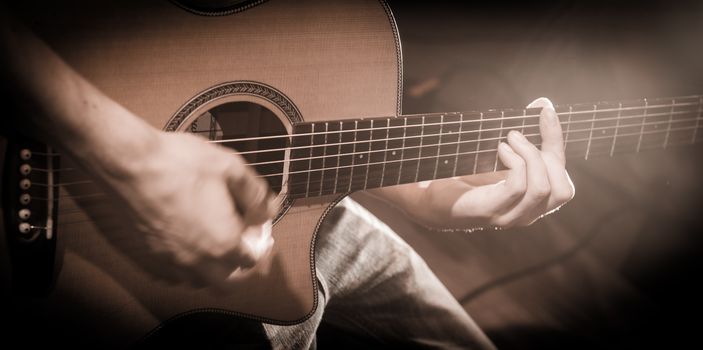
column 352, row 155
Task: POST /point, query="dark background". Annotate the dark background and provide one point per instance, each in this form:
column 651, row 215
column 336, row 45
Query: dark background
column 618, row 267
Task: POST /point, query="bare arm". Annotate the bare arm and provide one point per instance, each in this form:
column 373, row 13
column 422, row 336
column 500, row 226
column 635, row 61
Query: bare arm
column 195, row 202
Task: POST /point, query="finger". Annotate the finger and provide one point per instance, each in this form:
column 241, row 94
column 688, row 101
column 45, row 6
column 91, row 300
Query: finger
column 537, row 180
column 538, row 187
column 483, row 203
column 255, row 243
column 516, row 180
column 549, row 128
column 251, row 194
column 562, row 188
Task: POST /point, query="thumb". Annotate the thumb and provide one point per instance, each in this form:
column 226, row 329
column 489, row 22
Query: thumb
column 256, row 244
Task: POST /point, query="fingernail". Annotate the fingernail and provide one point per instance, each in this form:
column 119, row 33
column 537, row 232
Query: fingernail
column 516, row 136
column 541, row 102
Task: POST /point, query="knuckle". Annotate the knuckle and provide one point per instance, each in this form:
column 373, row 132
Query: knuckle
column 517, row 189
column 541, row 191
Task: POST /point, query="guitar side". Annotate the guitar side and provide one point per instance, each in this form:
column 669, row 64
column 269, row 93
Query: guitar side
column 333, row 60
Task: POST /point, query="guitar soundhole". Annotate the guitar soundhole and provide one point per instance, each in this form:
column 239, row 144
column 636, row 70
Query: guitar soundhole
column 249, row 129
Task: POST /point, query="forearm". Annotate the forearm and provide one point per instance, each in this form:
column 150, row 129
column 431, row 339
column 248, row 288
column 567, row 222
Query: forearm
column 445, row 203
column 59, row 105
column 408, row 198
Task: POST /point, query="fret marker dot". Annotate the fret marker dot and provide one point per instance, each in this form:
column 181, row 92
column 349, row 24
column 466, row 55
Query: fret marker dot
column 361, row 156
column 602, row 132
column 446, row 161
column 393, row 153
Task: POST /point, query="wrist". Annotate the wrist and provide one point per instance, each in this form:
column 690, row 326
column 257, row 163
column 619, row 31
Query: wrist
column 119, row 148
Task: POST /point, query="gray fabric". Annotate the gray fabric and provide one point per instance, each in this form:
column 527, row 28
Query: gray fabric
column 375, row 286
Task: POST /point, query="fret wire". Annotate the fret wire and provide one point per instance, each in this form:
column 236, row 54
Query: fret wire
column 458, row 142
column 494, row 150
column 478, row 145
column 324, row 160
column 671, row 116
column 500, row 137
column 439, row 147
column 422, row 139
column 644, row 118
column 351, row 175
column 385, row 154
column 258, row 138
column 467, row 131
column 593, row 122
column 402, row 151
column 568, row 127
column 617, row 124
column 339, row 159
column 368, row 155
column 307, row 185
column 700, row 114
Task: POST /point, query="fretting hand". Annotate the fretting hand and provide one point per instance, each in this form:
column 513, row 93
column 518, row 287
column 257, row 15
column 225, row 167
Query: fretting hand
column 536, row 184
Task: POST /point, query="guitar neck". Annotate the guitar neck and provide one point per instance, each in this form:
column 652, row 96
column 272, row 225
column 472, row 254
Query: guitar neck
column 358, row 154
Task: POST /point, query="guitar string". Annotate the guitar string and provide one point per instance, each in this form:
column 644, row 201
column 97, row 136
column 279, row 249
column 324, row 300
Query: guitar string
column 313, row 133
column 440, row 144
column 369, row 153
column 94, row 217
column 463, row 122
column 668, row 131
column 571, row 142
column 310, row 148
column 351, row 177
column 565, row 123
column 571, row 113
column 404, row 160
column 458, row 134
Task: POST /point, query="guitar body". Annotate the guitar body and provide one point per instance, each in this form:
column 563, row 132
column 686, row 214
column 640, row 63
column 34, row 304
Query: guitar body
column 301, row 60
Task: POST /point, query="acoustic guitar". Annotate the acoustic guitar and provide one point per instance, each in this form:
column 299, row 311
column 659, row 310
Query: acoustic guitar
column 309, row 92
